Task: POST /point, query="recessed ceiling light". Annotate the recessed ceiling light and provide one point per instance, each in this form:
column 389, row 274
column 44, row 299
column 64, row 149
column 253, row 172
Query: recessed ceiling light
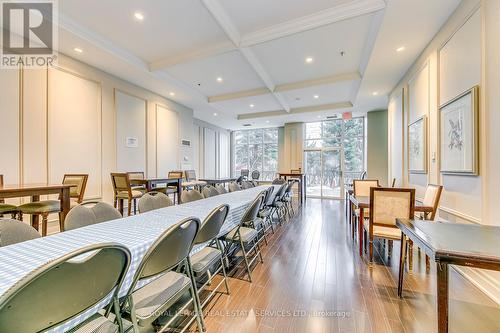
column 319, row 117
column 375, row 93
column 171, row 93
column 219, row 79
column 267, row 121
column 316, row 96
column 401, row 49
column 215, row 114
column 309, row 60
column 139, row 16
column 77, row 49
column 251, row 105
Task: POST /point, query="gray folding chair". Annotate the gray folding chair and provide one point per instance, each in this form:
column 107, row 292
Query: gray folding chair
column 233, row 187
column 90, row 213
column 209, row 261
column 265, row 210
column 191, row 195
column 220, row 188
column 14, row 231
column 246, row 184
column 164, row 285
column 153, row 200
column 277, row 205
column 66, row 287
column 247, row 237
column 209, row 191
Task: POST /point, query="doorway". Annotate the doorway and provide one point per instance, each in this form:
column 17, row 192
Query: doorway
column 324, row 169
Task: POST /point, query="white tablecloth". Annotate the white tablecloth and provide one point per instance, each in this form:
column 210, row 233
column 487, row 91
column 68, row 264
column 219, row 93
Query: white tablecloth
column 137, row 233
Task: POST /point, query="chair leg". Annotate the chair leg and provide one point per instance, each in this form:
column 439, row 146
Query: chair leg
column 246, row 261
column 427, row 263
column 196, row 298
column 129, row 207
column 44, row 223
column 410, row 256
column 371, row 249
column 259, row 252
column 20, row 216
column 61, row 223
column 389, row 250
column 135, row 206
column 223, row 265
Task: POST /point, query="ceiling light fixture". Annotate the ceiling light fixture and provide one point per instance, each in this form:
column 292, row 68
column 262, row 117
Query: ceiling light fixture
column 267, row 121
column 171, row 93
column 316, row 96
column 215, row 114
column 251, row 105
column 219, row 79
column 77, row 49
column 400, row 49
column 139, row 16
column 319, row 117
column 375, row 93
column 309, row 60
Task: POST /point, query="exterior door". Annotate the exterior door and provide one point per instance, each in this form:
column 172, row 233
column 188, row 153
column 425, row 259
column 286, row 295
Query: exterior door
column 324, row 169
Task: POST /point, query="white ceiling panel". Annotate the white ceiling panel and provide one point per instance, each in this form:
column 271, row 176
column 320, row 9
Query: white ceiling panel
column 236, row 74
column 169, row 27
column 326, row 94
column 285, row 58
column 250, row 16
column 261, row 103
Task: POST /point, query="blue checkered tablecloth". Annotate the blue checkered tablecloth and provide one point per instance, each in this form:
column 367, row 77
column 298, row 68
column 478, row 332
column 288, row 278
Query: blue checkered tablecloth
column 137, row 233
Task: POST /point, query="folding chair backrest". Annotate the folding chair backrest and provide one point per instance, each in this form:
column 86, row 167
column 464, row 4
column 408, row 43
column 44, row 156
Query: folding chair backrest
column 387, row 204
column 210, row 227
column 14, row 231
column 233, row 187
column 191, row 195
column 269, row 196
column 220, row 188
column 252, row 210
column 90, row 213
column 153, row 200
column 63, row 288
column 209, row 191
column 172, row 247
column 255, row 174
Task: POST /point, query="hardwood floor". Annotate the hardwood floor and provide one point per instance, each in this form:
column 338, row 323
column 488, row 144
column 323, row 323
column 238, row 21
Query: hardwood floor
column 312, row 280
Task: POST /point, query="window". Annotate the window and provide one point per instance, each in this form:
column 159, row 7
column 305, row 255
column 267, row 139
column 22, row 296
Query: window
column 349, row 134
column 256, row 150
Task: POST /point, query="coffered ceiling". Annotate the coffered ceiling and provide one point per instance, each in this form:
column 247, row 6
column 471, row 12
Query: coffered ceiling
column 264, row 62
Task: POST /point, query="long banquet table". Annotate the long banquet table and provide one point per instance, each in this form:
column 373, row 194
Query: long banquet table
column 136, row 232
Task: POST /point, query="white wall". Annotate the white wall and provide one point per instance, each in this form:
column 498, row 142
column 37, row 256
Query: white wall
column 212, row 150
column 65, row 120
column 459, row 57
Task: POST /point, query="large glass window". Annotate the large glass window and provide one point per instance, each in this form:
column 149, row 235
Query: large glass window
column 348, row 134
column 256, row 149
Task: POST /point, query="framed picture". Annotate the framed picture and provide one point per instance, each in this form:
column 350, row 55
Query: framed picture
column 417, row 146
column 459, row 134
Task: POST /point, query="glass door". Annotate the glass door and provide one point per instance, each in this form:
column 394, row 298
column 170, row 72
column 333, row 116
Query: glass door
column 323, row 169
column 331, row 183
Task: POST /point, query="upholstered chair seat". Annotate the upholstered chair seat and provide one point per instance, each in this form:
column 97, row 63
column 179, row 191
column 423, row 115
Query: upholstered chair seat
column 7, row 209
column 204, row 259
column 124, row 194
column 384, row 232
column 38, row 207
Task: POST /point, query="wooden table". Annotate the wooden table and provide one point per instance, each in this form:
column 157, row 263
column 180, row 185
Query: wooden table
column 362, row 203
column 35, row 191
column 215, row 181
column 450, row 244
column 302, row 183
column 151, row 184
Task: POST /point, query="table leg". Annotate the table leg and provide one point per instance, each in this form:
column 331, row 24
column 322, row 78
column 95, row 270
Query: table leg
column 360, row 230
column 304, row 184
column 35, row 219
column 402, row 260
column 442, row 297
column 179, row 190
column 149, row 186
column 65, row 207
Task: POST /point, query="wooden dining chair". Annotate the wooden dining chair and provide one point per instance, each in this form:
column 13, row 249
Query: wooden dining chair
column 46, row 207
column 386, row 205
column 137, row 175
column 123, row 191
column 361, row 188
column 7, row 208
column 431, row 199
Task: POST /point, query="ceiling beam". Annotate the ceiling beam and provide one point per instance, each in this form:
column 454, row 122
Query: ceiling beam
column 305, row 109
column 328, row 16
column 221, row 17
column 207, row 52
column 346, row 77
